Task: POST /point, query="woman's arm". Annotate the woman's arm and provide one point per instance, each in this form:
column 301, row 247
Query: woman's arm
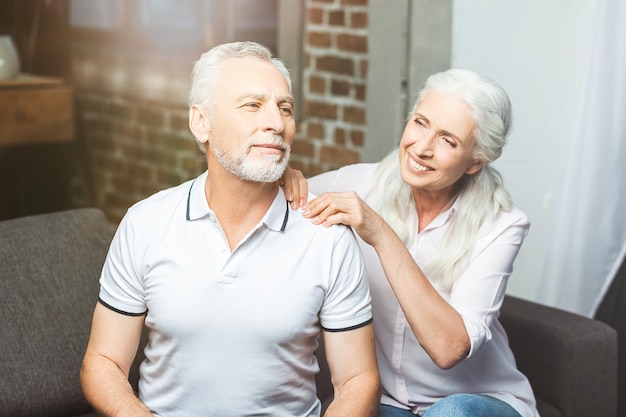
column 442, row 326
column 437, row 326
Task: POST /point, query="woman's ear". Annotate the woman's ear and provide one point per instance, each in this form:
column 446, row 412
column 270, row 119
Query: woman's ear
column 199, row 123
column 475, row 167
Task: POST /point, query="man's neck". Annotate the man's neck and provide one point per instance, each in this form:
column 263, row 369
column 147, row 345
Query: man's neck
column 239, row 205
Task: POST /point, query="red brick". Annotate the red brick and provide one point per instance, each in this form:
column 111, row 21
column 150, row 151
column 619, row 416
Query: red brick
column 108, row 163
column 180, row 122
column 358, row 20
column 353, row 114
column 354, row 2
column 302, row 147
column 169, row 178
column 338, row 155
column 316, row 131
column 357, row 138
column 321, row 110
column 340, row 88
column 162, row 157
column 317, row 84
column 143, row 172
column 123, row 185
column 151, row 117
column 352, row 43
column 314, row 169
column 336, row 18
column 320, row 39
column 129, row 131
column 340, row 136
column 360, row 92
column 335, row 64
column 132, row 152
column 315, row 15
column 193, row 164
column 296, row 165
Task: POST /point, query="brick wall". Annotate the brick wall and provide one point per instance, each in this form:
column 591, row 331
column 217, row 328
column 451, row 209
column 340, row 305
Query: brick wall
column 133, row 118
column 132, row 111
column 332, row 131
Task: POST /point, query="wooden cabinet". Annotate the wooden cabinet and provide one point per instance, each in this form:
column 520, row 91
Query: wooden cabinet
column 35, row 109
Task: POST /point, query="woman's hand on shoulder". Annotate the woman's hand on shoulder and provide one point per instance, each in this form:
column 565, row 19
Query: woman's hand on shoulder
column 295, row 186
column 345, row 208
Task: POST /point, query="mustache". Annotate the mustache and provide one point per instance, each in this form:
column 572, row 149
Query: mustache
column 270, row 139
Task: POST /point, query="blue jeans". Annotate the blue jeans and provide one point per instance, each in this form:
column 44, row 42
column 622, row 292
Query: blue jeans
column 457, row 405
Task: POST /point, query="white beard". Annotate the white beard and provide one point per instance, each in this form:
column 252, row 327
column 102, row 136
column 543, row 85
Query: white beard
column 267, row 168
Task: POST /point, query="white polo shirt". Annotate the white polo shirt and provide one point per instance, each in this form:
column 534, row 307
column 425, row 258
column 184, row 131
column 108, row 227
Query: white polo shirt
column 231, row 333
column 409, row 377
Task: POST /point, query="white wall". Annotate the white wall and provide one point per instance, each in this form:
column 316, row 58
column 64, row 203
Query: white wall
column 538, row 51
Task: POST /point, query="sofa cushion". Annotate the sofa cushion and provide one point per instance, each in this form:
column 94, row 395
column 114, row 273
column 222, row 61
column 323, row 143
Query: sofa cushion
column 546, row 409
column 49, row 284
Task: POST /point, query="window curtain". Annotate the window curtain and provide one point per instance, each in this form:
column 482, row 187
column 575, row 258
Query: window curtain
column 588, row 242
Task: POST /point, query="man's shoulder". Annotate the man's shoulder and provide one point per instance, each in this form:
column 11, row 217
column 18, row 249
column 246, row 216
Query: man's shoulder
column 303, row 227
column 163, row 203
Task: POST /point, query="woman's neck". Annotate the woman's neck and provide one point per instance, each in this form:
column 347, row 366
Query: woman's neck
column 430, row 204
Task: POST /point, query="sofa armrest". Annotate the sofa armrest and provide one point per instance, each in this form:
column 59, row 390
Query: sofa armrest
column 570, row 360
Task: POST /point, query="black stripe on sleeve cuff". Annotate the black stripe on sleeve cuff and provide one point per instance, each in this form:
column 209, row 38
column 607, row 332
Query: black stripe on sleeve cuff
column 120, row 311
column 365, row 323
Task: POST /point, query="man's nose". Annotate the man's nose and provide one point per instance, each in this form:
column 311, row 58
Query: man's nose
column 273, row 119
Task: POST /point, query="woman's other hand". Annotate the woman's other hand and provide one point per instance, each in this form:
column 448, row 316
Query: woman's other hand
column 295, row 186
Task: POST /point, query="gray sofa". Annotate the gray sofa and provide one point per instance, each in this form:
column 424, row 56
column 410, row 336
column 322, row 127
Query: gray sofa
column 49, row 271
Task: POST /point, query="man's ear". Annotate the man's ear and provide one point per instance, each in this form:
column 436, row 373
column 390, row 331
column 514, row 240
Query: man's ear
column 475, row 167
column 199, row 123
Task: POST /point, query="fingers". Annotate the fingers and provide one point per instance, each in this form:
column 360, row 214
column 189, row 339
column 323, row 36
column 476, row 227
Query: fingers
column 334, row 208
column 296, row 187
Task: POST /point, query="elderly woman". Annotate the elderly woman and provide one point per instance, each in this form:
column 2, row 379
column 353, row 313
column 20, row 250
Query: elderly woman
column 439, row 234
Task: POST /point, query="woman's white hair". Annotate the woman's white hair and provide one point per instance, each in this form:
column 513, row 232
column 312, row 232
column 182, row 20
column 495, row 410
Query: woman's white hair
column 206, row 70
column 481, row 195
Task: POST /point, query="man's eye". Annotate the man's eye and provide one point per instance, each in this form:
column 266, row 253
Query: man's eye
column 286, row 111
column 419, row 122
column 252, row 105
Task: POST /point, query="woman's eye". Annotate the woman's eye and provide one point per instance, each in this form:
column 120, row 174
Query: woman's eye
column 449, row 142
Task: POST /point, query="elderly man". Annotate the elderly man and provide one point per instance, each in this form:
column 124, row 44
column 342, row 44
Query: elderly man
column 233, row 286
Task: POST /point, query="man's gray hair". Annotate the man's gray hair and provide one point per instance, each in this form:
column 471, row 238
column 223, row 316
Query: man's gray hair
column 206, row 69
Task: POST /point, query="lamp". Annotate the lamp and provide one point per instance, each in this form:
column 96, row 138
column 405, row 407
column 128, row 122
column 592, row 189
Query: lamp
column 9, row 60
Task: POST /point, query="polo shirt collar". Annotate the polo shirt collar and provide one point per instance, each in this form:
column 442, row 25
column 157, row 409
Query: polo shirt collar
column 197, row 207
column 278, row 214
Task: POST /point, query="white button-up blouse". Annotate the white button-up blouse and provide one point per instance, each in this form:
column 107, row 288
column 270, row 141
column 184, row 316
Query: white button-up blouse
column 410, row 379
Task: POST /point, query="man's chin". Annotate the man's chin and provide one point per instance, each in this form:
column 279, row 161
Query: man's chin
column 264, row 176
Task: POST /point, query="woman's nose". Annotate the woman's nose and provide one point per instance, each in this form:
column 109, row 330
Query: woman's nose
column 424, row 145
